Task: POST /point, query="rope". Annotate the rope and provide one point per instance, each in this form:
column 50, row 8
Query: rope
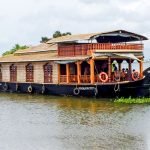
column 117, row 87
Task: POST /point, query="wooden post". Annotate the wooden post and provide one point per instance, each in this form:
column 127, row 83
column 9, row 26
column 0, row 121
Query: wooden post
column 92, row 71
column 119, row 64
column 78, row 71
column 141, row 68
column 67, row 72
column 109, row 69
column 130, row 66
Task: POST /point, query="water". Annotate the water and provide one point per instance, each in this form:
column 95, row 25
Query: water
column 34, row 122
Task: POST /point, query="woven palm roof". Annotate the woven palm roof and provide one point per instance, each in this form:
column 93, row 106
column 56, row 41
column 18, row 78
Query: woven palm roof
column 101, row 37
column 38, row 48
column 37, row 58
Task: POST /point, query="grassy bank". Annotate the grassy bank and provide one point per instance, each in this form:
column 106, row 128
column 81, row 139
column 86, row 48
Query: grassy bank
column 132, row 100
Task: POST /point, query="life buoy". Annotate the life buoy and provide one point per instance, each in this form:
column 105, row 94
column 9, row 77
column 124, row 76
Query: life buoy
column 117, row 76
column 76, row 91
column 135, row 75
column 30, row 89
column 5, row 87
column 103, row 77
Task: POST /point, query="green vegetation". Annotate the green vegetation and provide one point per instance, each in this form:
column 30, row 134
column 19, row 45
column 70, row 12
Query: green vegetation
column 44, row 39
column 14, row 49
column 132, row 100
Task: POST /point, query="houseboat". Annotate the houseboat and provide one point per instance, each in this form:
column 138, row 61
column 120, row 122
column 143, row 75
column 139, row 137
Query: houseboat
column 79, row 65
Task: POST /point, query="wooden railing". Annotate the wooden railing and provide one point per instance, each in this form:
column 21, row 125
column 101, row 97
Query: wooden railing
column 85, row 79
column 84, row 49
column 73, row 78
column 63, row 78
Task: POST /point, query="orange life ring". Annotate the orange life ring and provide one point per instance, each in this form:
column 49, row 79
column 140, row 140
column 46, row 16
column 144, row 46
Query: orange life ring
column 103, row 77
column 135, row 75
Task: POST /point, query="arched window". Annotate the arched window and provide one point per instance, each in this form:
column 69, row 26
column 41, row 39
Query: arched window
column 47, row 73
column 29, row 73
column 13, row 73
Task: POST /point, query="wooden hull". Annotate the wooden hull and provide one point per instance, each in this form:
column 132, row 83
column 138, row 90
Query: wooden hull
column 140, row 88
column 133, row 89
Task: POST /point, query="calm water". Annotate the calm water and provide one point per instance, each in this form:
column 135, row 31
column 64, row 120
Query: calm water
column 31, row 122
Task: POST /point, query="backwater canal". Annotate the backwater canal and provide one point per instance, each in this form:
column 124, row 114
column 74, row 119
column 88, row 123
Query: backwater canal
column 35, row 122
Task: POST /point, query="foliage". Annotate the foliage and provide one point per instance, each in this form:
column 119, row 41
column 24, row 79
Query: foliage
column 132, row 100
column 44, row 39
column 58, row 34
column 14, row 49
column 55, row 35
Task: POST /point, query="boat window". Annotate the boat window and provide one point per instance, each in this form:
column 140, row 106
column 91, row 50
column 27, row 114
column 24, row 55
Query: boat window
column 13, row 73
column 48, row 69
column 29, row 73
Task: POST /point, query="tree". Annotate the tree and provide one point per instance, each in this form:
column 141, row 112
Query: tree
column 59, row 34
column 14, row 49
column 44, row 39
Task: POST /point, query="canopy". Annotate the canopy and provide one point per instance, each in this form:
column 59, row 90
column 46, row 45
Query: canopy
column 129, row 56
column 101, row 37
column 65, row 61
column 72, row 60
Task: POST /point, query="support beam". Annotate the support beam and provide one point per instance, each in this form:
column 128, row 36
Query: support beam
column 67, row 72
column 109, row 69
column 141, row 68
column 119, row 64
column 78, row 71
column 130, row 66
column 92, row 71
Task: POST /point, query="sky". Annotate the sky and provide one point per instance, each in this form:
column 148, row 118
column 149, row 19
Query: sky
column 24, row 22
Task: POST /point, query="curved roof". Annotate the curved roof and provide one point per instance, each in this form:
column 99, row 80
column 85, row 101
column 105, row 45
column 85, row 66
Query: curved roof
column 101, row 37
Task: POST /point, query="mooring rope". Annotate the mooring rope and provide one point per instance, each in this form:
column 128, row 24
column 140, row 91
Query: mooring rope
column 117, row 87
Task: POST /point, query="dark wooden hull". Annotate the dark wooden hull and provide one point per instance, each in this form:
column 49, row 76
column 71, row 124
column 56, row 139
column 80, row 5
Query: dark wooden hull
column 140, row 88
column 133, row 89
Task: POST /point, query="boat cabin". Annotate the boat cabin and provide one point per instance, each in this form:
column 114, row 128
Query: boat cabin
column 94, row 58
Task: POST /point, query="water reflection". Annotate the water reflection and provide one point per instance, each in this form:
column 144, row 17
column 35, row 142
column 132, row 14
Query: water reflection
column 49, row 122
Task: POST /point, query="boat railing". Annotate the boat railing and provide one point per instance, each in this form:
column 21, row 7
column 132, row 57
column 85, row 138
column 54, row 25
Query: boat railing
column 85, row 79
column 73, row 78
column 85, row 49
column 63, row 78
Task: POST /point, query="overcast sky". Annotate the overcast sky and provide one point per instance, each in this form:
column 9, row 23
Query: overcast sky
column 26, row 21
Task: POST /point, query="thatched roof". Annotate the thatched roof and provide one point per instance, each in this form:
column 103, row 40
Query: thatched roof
column 38, row 48
column 101, row 37
column 38, row 58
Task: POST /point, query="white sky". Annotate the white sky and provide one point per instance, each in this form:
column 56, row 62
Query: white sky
column 26, row 21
